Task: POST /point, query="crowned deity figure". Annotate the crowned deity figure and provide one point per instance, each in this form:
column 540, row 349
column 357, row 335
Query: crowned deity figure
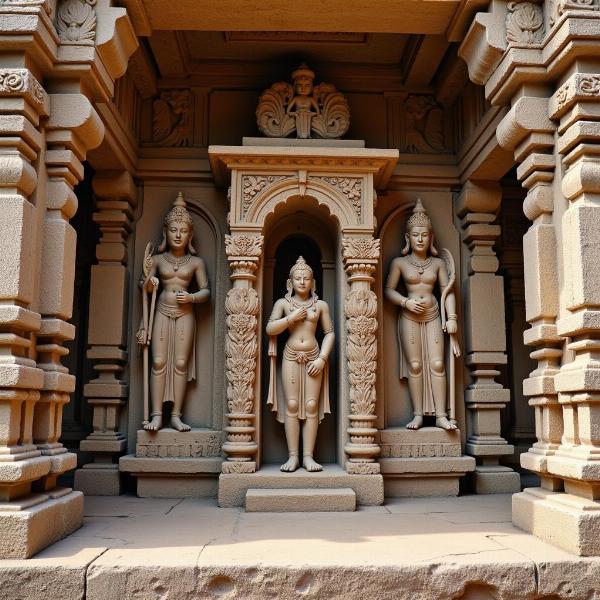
column 170, row 330
column 304, row 367
column 303, row 106
column 421, row 327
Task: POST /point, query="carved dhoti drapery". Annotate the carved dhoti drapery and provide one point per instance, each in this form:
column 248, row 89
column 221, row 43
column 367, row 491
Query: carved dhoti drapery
column 295, row 363
column 420, row 331
column 169, row 324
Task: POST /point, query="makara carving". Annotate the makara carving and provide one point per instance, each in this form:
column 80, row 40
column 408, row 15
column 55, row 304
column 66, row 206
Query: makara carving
column 173, row 119
column 524, row 23
column 423, row 320
column 76, row 21
column 169, row 325
column 424, row 125
column 303, row 107
column 304, row 367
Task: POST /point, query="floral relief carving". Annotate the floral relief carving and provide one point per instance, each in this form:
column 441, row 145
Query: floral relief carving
column 238, row 467
column 360, row 309
column 21, row 81
column 578, row 87
column 241, row 347
column 360, row 248
column 76, row 21
column 252, row 185
column 524, row 23
column 173, row 118
column 350, row 187
column 424, row 126
column 244, row 245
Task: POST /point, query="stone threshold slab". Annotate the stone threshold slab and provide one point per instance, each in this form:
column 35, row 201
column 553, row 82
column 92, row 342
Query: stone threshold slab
column 301, row 500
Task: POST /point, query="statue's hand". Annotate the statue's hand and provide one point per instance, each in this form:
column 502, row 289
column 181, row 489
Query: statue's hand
column 415, row 306
column 152, row 284
column 454, row 346
column 140, row 336
column 315, row 367
column 183, row 297
column 451, row 326
column 298, row 315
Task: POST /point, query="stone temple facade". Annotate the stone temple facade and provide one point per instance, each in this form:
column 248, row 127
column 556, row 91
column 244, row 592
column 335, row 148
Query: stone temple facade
column 436, row 164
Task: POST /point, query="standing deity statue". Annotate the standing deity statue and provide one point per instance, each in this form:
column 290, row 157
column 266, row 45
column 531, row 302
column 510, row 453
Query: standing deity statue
column 421, row 327
column 170, row 331
column 304, row 367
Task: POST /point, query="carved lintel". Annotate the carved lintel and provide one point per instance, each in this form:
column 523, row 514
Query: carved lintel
column 76, row 22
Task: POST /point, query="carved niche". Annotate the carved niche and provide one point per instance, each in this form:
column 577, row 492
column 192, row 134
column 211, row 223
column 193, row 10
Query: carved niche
column 173, row 118
column 303, row 108
column 424, row 126
column 76, row 21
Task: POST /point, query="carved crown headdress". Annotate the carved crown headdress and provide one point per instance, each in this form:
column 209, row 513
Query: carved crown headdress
column 300, row 265
column 179, row 212
column 419, row 218
column 303, row 72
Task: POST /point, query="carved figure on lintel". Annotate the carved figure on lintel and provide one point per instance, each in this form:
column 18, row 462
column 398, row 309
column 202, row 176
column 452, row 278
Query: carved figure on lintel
column 304, row 367
column 423, row 321
column 303, row 107
column 170, row 330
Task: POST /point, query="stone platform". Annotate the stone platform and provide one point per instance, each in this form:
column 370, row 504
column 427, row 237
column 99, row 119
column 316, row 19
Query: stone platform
column 409, row 549
column 233, row 486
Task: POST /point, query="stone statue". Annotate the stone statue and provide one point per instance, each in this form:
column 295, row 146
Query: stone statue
column 303, row 107
column 421, row 330
column 304, row 368
column 170, row 331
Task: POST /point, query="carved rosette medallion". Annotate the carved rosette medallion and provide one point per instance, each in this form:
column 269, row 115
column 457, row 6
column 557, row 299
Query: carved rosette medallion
column 20, row 82
column 241, row 351
column 524, row 23
column 361, row 255
column 252, row 185
column 76, row 22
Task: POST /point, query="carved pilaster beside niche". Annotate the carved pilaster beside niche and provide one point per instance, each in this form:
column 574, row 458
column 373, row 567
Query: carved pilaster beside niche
column 173, row 119
column 76, row 22
column 361, row 255
column 241, row 352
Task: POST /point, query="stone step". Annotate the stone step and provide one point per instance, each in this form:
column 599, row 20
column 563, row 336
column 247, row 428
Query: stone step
column 300, row 500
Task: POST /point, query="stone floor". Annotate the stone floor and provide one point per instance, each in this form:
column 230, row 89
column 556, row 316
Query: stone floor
column 409, row 549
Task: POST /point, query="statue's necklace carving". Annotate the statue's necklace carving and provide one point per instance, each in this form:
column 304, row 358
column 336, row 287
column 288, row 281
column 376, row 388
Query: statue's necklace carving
column 177, row 261
column 419, row 265
column 307, row 305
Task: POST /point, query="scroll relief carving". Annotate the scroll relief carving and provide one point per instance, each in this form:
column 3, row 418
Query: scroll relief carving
column 350, row 187
column 173, row 118
column 303, row 108
column 21, row 82
column 424, row 126
column 252, row 185
column 579, row 86
column 76, row 21
column 524, row 23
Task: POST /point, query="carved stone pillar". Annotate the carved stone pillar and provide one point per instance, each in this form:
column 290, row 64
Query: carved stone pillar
column 107, row 333
column 361, row 255
column 485, row 339
column 241, row 352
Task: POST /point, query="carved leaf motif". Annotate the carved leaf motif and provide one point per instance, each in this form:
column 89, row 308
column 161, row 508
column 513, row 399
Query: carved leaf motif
column 271, row 116
column 351, row 187
column 76, row 21
column 334, row 119
column 360, row 248
column 590, row 85
column 243, row 245
column 252, row 185
column 360, row 309
column 241, row 349
column 524, row 23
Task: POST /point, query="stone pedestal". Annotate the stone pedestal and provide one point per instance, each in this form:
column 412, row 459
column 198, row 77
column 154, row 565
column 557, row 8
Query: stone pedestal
column 426, row 462
column 175, row 464
column 233, row 486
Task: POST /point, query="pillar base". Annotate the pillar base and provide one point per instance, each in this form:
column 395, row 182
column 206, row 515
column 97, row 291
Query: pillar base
column 496, row 479
column 99, row 480
column 30, row 524
column 564, row 520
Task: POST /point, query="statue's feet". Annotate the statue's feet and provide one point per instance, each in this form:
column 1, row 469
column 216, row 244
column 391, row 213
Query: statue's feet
column 416, row 423
column 291, row 465
column 177, row 423
column 311, row 465
column 444, row 423
column 154, row 424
